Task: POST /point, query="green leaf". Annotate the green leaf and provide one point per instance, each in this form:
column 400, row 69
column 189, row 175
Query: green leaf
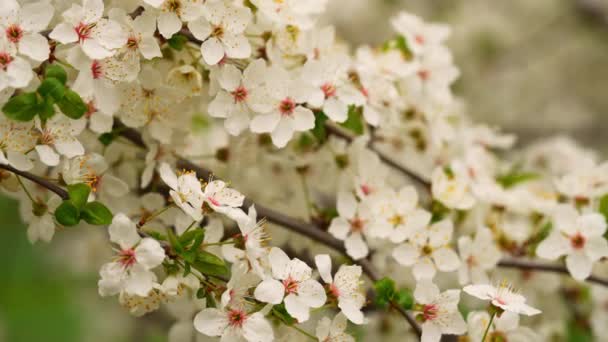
column 177, row 41
column 53, row 88
column 72, row 105
column 57, row 72
column 281, row 313
column 47, row 109
column 514, row 178
column 209, row 264
column 186, row 238
column 603, row 208
column 175, row 244
column 79, row 194
column 385, row 291
column 319, row 130
column 97, row 214
column 107, row 138
column 354, row 122
column 22, row 107
column 405, row 299
column 67, row 214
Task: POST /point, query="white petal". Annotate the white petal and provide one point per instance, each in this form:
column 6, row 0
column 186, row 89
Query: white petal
column 35, row 46
column 339, row 228
column 446, row 259
column 236, row 46
column 47, row 155
column 264, row 123
column 430, row 332
column 70, row 148
column 579, row 266
column 323, row 262
column 64, row 33
column 270, row 291
column 149, row 253
column 212, row 50
column 303, row 119
column 36, row 16
column 424, row 269
column 168, row 176
column 168, row 24
column 279, row 262
column 230, row 77
column 336, row 110
column 426, row 291
column 297, row 308
column 256, row 328
column 211, row 322
column 596, row 248
column 19, row 73
column 406, row 254
column 356, row 246
column 200, row 28
column 554, row 246
column 312, row 293
column 114, row 186
column 140, row 281
column 95, row 50
column 123, row 231
column 346, row 204
column 149, row 48
column 19, row 161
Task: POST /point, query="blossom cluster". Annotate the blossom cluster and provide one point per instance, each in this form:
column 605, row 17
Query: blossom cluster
column 118, row 110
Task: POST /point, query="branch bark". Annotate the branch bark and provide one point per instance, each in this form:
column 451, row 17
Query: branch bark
column 38, row 180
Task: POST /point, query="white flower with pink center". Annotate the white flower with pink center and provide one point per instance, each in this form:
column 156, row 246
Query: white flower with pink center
column 502, row 296
column 291, row 281
column 15, row 72
column 233, row 324
column 355, row 221
column 233, row 100
column 185, row 190
column 98, row 37
column 419, row 35
column 345, row 287
column 437, row 311
column 22, row 26
column 579, row 237
column 279, row 102
column 223, row 199
column 131, row 271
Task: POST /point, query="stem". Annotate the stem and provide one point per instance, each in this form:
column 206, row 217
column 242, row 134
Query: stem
column 27, row 192
column 488, row 327
column 38, row 180
column 157, row 213
column 302, row 331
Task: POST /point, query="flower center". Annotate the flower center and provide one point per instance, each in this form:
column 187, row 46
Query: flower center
column 357, row 224
column 366, row 189
column 173, row 6
column 83, row 31
column 14, row 33
column 424, row 74
column 333, row 289
column 126, row 257
column 91, row 109
column 329, row 90
column 427, row 250
column 5, row 60
column 218, row 32
column 236, row 318
column 239, row 94
column 419, row 39
column 213, row 201
column 429, row 312
column 96, row 70
column 578, row 241
column 287, row 106
column 397, row 220
column 291, row 286
column 132, row 43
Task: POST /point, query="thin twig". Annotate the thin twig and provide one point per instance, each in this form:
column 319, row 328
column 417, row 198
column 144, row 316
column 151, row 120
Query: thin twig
column 38, row 180
column 527, row 265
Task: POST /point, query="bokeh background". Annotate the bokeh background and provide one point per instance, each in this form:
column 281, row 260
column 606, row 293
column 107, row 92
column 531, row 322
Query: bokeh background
column 534, row 67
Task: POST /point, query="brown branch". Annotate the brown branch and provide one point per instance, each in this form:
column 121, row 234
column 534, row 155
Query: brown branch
column 38, row 180
column 343, row 134
column 526, row 265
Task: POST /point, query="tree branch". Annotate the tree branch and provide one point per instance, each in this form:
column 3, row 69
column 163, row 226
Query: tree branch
column 526, row 265
column 38, row 180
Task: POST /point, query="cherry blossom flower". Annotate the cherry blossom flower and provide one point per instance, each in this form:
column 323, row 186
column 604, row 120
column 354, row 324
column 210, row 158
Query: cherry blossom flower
column 233, row 324
column 329, row 330
column 185, row 190
column 291, row 281
column 279, row 104
column 399, row 215
column 353, row 223
column 131, row 272
column 232, row 101
column 98, row 37
column 418, row 34
column 221, row 30
column 223, row 199
column 93, row 170
column 16, row 139
column 428, row 251
column 41, row 223
column 346, row 287
column 57, row 136
column 503, row 297
column 172, row 13
column 479, row 255
column 451, row 186
column 22, row 26
column 505, row 327
column 579, row 237
column 437, row 311
column 15, row 72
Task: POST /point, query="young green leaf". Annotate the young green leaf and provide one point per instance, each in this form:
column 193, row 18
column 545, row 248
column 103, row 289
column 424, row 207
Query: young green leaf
column 22, row 107
column 72, row 105
column 79, row 194
column 603, row 208
column 96, row 213
column 385, row 291
column 319, row 130
column 354, row 122
column 57, row 72
column 67, row 214
column 405, row 299
column 177, row 41
column 47, row 109
column 53, row 88
column 174, row 241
